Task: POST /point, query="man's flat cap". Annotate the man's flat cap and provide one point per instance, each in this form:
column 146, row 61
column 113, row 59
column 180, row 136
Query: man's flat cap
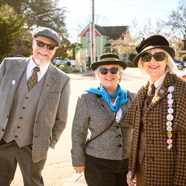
column 48, row 33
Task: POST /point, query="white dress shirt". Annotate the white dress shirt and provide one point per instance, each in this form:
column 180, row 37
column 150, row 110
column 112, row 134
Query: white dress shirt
column 31, row 65
column 119, row 113
column 158, row 83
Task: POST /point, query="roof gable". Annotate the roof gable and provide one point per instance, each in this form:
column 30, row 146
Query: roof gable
column 112, row 32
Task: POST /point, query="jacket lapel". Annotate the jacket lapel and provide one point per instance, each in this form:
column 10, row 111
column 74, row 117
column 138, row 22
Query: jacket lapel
column 17, row 73
column 163, row 91
column 105, row 107
column 49, row 82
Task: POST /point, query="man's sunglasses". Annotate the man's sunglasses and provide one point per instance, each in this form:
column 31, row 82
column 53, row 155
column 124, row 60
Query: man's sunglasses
column 42, row 44
column 104, row 71
column 159, row 56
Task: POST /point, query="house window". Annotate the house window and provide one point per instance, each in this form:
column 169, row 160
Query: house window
column 88, row 37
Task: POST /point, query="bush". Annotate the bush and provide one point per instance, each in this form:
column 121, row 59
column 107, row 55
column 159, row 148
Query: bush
column 132, row 56
column 130, row 64
column 184, row 57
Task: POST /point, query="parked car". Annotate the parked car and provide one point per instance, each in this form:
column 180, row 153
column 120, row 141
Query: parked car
column 58, row 61
column 73, row 63
column 180, row 64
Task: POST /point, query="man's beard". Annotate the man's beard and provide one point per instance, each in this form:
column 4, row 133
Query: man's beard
column 42, row 61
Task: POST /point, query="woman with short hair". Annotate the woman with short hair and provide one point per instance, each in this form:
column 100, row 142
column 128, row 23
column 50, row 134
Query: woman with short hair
column 158, row 115
column 100, row 138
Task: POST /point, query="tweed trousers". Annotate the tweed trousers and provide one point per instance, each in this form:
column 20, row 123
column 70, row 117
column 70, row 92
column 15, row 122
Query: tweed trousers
column 10, row 155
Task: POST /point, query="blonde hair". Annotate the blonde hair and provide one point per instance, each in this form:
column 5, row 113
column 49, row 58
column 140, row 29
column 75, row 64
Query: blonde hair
column 119, row 68
column 171, row 66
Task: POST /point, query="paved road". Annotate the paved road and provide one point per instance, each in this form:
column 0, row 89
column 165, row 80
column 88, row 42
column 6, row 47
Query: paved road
column 58, row 170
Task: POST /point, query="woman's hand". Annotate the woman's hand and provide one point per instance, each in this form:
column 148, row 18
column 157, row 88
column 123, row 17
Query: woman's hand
column 79, row 169
column 129, row 181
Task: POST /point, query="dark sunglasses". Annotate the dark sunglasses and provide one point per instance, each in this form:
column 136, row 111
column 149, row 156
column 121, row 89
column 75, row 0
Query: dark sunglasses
column 42, row 44
column 104, row 71
column 159, row 56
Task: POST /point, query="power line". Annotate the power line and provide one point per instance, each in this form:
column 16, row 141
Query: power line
column 137, row 5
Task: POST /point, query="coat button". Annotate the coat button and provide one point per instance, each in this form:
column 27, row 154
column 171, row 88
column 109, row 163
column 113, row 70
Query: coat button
column 15, row 136
column 119, row 145
column 23, row 107
column 18, row 127
column 149, row 123
column 7, row 116
column 150, row 141
column 151, row 159
column 3, row 130
column 26, row 97
column 21, row 117
column 119, row 136
column 117, row 127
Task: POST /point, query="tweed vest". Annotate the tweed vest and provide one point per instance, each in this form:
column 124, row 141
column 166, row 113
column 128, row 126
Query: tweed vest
column 141, row 145
column 22, row 116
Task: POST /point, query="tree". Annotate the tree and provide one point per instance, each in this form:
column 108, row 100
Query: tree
column 129, row 40
column 10, row 27
column 177, row 19
column 40, row 13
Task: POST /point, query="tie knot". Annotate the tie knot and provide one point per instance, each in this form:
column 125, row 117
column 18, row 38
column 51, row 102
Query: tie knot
column 36, row 69
column 152, row 91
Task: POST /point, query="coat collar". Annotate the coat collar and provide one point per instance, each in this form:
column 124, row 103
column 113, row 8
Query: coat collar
column 106, row 108
column 162, row 92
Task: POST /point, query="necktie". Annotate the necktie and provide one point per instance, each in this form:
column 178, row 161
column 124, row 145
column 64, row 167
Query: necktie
column 33, row 80
column 151, row 94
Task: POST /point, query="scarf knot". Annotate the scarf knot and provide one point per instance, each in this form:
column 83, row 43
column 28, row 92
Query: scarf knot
column 122, row 93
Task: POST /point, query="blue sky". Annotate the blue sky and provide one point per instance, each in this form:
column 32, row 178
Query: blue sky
column 118, row 12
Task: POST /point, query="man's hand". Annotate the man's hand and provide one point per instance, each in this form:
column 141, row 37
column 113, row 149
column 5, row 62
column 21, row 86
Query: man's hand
column 79, row 169
column 129, row 181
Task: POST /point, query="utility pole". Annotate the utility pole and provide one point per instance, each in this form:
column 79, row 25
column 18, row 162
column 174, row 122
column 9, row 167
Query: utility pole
column 93, row 33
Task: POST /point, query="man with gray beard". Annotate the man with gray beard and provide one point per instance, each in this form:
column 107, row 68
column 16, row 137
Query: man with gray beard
column 34, row 99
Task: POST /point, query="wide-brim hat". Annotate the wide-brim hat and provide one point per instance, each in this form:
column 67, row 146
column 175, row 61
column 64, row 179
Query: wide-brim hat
column 108, row 59
column 47, row 33
column 151, row 42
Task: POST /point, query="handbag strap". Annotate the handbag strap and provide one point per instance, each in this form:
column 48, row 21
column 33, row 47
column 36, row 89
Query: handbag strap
column 102, row 131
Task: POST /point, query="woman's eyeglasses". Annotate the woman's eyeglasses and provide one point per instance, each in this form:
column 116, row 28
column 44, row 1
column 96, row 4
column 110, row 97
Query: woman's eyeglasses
column 42, row 44
column 159, row 56
column 104, row 71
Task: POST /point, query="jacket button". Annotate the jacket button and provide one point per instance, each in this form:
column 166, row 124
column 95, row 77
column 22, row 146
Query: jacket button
column 23, row 107
column 7, row 116
column 3, row 130
column 21, row 117
column 26, row 97
column 15, row 136
column 150, row 123
column 150, row 141
column 119, row 145
column 119, row 136
column 117, row 127
column 18, row 127
column 151, row 158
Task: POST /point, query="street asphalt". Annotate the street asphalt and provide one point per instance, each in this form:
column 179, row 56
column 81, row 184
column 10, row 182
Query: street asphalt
column 58, row 169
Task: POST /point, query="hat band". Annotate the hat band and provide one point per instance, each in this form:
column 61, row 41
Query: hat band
column 109, row 59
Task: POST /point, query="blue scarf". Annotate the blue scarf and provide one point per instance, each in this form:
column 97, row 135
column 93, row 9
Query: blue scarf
column 121, row 92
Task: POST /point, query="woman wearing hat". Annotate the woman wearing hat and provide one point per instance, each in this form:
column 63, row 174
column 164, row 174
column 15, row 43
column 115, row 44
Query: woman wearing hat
column 100, row 138
column 158, row 115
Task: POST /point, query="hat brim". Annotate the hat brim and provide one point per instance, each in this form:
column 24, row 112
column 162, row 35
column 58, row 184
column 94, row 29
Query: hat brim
column 166, row 48
column 95, row 65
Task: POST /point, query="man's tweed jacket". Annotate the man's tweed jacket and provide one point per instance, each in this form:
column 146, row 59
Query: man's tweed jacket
column 163, row 167
column 51, row 115
column 94, row 114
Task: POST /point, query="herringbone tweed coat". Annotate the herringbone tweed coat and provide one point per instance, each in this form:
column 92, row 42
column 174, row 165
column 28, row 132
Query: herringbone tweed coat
column 163, row 167
column 52, row 110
